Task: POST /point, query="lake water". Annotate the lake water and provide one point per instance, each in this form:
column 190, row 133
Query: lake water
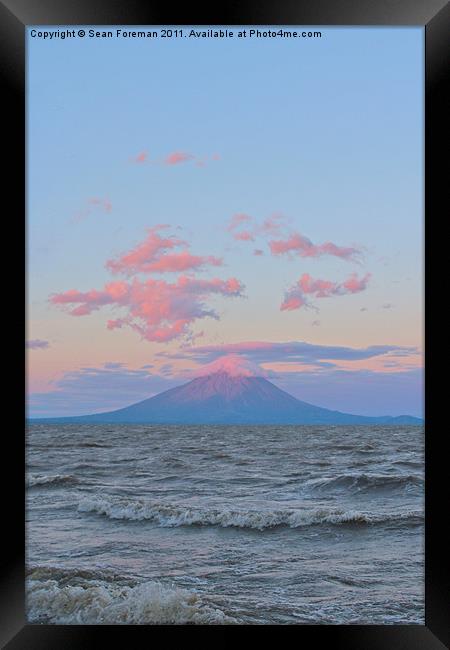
column 140, row 524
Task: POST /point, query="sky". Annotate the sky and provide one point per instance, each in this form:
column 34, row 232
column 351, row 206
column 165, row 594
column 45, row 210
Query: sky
column 246, row 203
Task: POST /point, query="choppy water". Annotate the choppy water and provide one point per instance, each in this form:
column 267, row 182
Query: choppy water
column 211, row 525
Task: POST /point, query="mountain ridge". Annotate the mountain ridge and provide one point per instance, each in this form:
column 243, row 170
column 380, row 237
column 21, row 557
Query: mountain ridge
column 220, row 398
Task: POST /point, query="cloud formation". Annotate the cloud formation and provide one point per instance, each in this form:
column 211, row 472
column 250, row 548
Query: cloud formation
column 158, row 310
column 289, row 352
column 140, row 158
column 274, row 225
column 152, row 256
column 177, row 157
column 174, row 158
column 297, row 244
column 236, row 221
column 296, row 297
column 88, row 390
column 37, row 344
column 283, row 241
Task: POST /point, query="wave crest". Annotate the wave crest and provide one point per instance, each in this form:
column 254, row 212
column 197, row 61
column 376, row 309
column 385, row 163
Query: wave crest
column 34, row 480
column 81, row 600
column 366, row 482
column 167, row 516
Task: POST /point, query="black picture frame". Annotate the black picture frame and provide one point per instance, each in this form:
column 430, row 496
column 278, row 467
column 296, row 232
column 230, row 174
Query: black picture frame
column 434, row 16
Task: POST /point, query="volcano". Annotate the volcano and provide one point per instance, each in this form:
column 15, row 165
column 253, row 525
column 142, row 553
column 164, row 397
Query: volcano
column 221, row 398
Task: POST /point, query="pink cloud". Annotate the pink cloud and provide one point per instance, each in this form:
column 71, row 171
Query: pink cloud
column 141, row 157
column 144, row 253
column 152, row 256
column 296, row 298
column 92, row 203
column 89, row 301
column 273, row 224
column 346, row 252
column 175, row 158
column 103, row 204
column 244, row 235
column 302, row 246
column 238, row 219
column 293, row 244
column 319, row 287
column 159, row 311
column 353, row 284
column 184, row 261
column 178, row 157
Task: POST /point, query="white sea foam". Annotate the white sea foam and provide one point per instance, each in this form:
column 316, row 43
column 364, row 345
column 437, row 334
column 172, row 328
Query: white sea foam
column 34, row 480
column 166, row 515
column 94, row 601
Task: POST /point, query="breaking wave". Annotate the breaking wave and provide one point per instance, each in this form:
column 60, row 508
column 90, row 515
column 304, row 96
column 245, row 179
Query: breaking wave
column 366, row 482
column 55, row 596
column 170, row 516
column 34, row 480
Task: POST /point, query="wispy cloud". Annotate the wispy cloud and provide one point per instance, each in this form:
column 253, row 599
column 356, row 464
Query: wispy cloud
column 235, row 224
column 177, row 157
column 37, row 344
column 244, row 227
column 282, row 240
column 299, row 245
column 237, row 220
column 140, row 158
column 298, row 352
column 152, row 256
column 88, row 390
column 174, row 158
column 272, row 225
column 92, row 204
column 296, row 297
